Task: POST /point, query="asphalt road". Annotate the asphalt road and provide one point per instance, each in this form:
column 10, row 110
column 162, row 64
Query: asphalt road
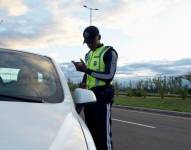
column 136, row 130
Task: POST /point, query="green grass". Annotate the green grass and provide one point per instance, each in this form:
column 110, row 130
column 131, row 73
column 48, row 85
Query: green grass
column 172, row 104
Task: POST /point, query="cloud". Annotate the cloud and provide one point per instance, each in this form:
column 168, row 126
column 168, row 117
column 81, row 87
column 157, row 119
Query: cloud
column 143, row 29
column 153, row 68
column 151, row 23
column 50, row 24
column 146, row 29
column 132, row 16
column 14, row 8
column 137, row 71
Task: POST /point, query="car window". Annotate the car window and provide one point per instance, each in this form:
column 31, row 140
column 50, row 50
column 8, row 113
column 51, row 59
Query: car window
column 29, row 75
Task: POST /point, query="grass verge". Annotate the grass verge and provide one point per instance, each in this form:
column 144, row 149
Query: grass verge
column 171, row 104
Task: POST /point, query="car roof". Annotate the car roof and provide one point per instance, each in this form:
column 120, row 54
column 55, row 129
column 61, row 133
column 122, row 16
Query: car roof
column 22, row 52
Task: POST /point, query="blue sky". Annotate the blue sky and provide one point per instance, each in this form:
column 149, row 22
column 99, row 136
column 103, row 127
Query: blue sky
column 142, row 31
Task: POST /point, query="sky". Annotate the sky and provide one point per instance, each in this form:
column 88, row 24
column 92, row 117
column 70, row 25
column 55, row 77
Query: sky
column 142, row 31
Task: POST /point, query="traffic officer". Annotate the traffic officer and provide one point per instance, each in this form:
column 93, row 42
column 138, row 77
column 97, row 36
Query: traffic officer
column 99, row 69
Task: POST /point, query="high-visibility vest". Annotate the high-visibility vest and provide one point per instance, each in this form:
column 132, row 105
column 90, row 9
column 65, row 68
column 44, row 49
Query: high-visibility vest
column 95, row 62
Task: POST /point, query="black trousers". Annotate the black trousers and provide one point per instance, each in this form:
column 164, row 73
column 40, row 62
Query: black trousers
column 98, row 117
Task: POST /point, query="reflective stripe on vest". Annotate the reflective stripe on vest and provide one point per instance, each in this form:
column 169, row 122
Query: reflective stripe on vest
column 95, row 62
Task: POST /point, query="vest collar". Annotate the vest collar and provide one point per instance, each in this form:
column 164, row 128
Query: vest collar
column 100, row 45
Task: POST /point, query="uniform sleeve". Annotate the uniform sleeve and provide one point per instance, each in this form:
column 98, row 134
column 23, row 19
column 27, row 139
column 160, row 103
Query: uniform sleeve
column 110, row 60
column 84, row 78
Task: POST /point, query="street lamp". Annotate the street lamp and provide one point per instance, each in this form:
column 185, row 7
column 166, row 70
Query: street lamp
column 91, row 9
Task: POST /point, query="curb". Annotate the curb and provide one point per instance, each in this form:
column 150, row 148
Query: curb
column 172, row 113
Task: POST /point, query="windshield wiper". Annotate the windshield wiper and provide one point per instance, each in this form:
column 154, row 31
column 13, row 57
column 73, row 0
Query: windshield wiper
column 23, row 98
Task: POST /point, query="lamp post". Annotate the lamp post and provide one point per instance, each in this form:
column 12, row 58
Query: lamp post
column 91, row 9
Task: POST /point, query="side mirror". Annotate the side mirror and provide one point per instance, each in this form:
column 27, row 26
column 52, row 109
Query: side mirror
column 82, row 96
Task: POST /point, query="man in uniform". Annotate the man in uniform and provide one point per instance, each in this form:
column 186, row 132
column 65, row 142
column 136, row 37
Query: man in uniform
column 99, row 69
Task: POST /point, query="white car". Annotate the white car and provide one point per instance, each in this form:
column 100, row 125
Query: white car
column 37, row 111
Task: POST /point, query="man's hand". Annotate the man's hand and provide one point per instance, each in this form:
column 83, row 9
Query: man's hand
column 80, row 66
column 83, row 85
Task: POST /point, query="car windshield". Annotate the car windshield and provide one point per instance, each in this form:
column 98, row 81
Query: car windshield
column 28, row 77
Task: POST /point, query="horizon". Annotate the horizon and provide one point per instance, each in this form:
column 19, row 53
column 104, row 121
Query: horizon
column 138, row 71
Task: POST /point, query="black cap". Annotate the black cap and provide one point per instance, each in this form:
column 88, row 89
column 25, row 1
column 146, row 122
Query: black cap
column 90, row 33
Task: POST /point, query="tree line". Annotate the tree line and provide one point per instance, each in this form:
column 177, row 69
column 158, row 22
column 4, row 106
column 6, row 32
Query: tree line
column 157, row 86
column 162, row 86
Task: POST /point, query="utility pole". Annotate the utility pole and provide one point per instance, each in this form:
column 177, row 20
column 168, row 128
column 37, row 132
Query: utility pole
column 90, row 9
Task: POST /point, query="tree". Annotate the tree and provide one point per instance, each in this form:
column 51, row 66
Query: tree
column 129, row 90
column 116, row 85
column 183, row 92
column 72, row 85
column 141, row 89
column 188, row 76
column 160, row 85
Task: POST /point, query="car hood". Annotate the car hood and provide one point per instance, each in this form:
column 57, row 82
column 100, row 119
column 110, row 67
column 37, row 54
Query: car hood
column 35, row 126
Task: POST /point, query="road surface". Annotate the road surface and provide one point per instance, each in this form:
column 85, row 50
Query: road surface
column 136, row 130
